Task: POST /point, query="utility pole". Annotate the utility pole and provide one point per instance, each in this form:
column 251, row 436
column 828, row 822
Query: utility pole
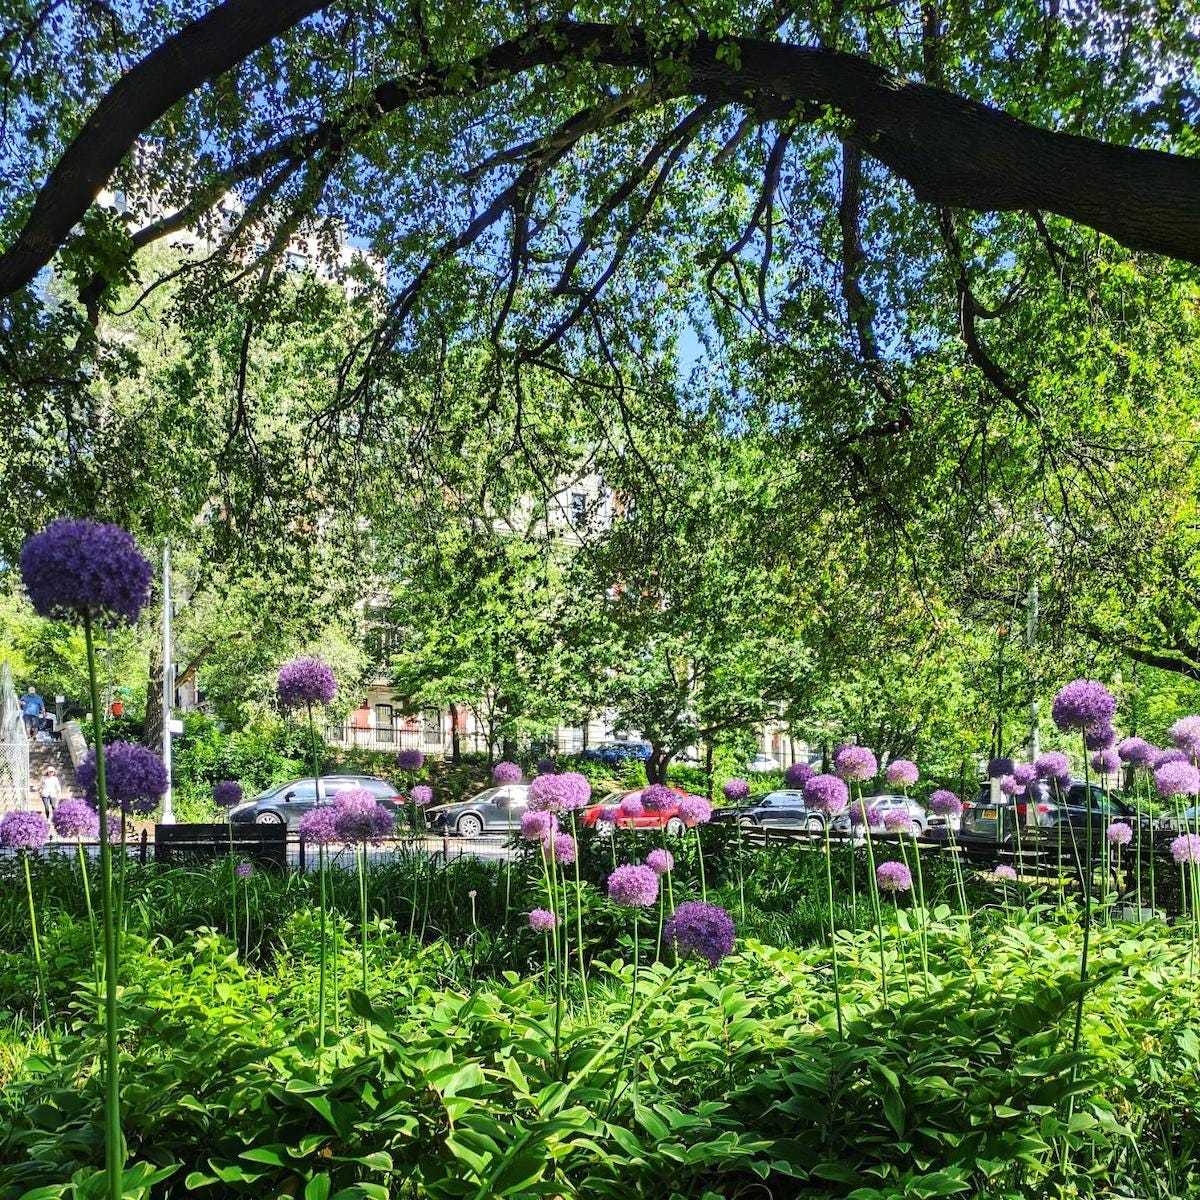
column 168, row 693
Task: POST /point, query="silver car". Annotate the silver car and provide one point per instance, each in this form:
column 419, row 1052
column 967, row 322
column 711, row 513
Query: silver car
column 884, row 805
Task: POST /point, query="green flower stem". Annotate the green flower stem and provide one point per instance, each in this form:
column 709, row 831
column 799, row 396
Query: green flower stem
column 37, row 948
column 900, row 946
column 233, row 886
column 837, row 991
column 700, row 863
column 1153, row 893
column 114, row 1147
column 958, row 875
column 1087, row 909
column 919, row 912
column 324, row 939
column 873, row 883
column 1137, row 864
column 87, row 899
column 361, row 854
column 587, row 1007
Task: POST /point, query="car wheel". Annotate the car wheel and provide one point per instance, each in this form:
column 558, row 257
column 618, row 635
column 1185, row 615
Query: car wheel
column 469, row 826
column 675, row 827
column 814, row 825
column 268, row 818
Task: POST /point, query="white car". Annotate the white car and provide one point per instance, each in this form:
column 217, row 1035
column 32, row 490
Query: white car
column 761, row 763
column 884, row 805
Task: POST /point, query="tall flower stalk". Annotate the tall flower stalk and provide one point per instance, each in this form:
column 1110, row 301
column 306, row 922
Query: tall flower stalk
column 25, row 832
column 87, row 572
column 828, row 795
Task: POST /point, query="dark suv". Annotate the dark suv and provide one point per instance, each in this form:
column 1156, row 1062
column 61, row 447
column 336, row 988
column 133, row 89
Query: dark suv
column 286, row 803
column 983, row 820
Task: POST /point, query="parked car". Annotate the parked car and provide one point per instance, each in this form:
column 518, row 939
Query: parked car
column 494, row 810
column 886, row 804
column 668, row 818
column 986, row 820
column 761, row 763
column 286, row 803
column 614, row 753
column 784, row 807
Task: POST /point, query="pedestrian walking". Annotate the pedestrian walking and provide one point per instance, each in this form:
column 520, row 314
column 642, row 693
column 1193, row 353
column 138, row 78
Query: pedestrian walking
column 51, row 790
column 33, row 708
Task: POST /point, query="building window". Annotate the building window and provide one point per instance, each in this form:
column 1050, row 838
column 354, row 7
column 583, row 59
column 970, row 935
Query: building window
column 578, row 506
column 296, row 261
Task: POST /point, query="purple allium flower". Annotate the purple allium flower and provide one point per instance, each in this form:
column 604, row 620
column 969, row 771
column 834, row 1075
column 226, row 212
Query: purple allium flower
column 421, row 795
column 694, row 810
column 658, row 798
column 1186, row 848
column 826, row 793
column 244, row 870
column 608, row 814
column 631, row 805
column 1004, row 871
column 1100, row 739
column 304, row 682
column 999, row 767
column 633, row 886
column 893, row 877
column 1024, row 773
column 135, row 778
column 1011, row 786
column 114, row 827
column 1083, row 704
column 412, row 760
column 319, row 825
column 1137, row 752
column 227, row 793
column 507, row 772
column 544, row 794
column 798, row 774
column 945, row 803
column 573, row 789
column 81, row 568
column 1053, row 766
column 660, row 861
column 561, row 845
column 855, row 763
column 1105, row 762
column 360, row 817
column 1119, row 833
column 863, row 813
column 735, row 790
column 1185, row 734
column 898, row 820
column 1177, row 779
column 76, row 819
column 700, row 930
column 902, row 772
column 1169, row 756
column 546, row 766
column 542, row 920
column 24, row 831
column 536, row 825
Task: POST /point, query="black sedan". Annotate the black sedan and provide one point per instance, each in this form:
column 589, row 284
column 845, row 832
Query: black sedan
column 286, row 803
column 987, row 820
column 783, row 807
column 494, row 810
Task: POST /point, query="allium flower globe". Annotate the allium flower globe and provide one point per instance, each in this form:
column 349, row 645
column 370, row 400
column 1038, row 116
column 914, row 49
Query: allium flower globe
column 999, row 767
column 660, row 861
column 608, row 814
column 1005, row 872
column 826, row 793
column 1083, row 704
column 227, row 793
column 631, row 805
column 561, row 846
column 700, row 930
column 1105, row 762
column 304, row 682
column 421, row 795
column 544, row 794
column 24, row 831
column 74, row 569
column 902, row 772
column 76, row 819
column 1010, row 785
column 694, row 810
column 1100, row 739
column 798, row 774
column 573, row 789
column 1185, row 735
column 135, row 778
column 506, row 772
column 1137, row 752
column 1177, row 779
column 633, row 886
column 898, row 820
column 893, row 877
column 855, row 763
column 1024, row 773
column 411, row 760
column 244, row 870
column 1119, row 833
column 319, row 825
column 536, row 825
column 542, row 920
column 546, row 766
column 735, row 790
column 945, row 803
column 658, row 798
column 1171, row 755
column 862, row 813
column 359, row 817
column 1054, row 767
column 1186, row 849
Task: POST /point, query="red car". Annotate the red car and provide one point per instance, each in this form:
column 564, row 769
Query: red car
column 667, row 818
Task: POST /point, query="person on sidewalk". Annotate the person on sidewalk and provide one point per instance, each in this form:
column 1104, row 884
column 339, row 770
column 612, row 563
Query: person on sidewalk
column 51, row 790
column 33, row 708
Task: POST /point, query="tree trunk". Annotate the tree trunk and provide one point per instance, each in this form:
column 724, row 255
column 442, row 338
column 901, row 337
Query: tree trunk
column 654, row 764
column 455, row 741
column 153, row 726
column 708, row 771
